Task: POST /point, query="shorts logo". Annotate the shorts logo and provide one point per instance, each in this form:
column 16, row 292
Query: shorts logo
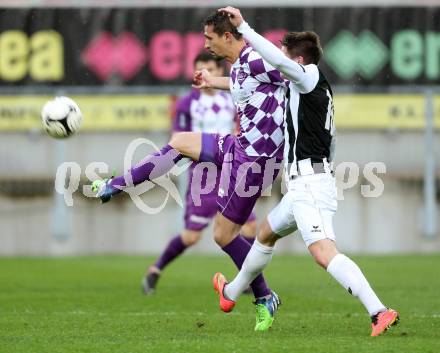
column 221, row 192
column 315, row 229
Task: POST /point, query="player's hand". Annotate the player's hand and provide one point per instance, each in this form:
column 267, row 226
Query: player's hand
column 202, row 79
column 234, row 15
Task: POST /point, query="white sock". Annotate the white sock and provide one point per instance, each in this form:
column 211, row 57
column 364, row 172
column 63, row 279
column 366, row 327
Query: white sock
column 350, row 276
column 256, row 260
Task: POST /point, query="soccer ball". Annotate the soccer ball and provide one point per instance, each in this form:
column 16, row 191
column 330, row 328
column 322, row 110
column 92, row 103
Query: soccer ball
column 61, row 117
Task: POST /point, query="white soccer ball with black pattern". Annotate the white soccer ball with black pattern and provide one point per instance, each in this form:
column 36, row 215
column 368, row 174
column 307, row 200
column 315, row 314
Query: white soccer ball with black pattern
column 61, row 117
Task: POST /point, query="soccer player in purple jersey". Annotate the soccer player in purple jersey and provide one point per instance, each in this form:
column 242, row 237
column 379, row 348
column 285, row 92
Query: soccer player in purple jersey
column 211, row 111
column 310, row 202
column 249, row 162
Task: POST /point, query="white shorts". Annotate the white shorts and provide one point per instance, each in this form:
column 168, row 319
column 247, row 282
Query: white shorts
column 309, row 206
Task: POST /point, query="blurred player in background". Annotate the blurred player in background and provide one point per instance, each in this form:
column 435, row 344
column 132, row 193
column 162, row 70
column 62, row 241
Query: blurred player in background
column 249, row 162
column 211, row 111
column 310, row 203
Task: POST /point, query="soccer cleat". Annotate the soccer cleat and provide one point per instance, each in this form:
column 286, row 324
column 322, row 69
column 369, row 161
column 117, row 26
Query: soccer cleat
column 103, row 190
column 266, row 309
column 383, row 320
column 219, row 282
column 149, row 283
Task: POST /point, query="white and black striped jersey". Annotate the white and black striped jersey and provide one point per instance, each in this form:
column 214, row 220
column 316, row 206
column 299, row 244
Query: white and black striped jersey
column 309, row 125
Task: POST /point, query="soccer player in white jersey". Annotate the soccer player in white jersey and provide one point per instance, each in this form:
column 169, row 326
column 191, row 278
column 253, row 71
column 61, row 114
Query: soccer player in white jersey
column 310, row 203
column 211, row 111
column 249, row 162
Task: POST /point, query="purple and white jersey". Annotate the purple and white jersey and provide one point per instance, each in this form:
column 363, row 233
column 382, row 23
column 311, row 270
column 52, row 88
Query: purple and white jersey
column 258, row 90
column 201, row 112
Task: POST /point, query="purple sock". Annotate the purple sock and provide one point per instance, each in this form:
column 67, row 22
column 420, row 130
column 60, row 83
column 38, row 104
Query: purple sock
column 174, row 248
column 249, row 240
column 238, row 249
column 151, row 167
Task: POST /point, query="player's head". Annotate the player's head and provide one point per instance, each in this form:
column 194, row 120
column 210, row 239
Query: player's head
column 220, row 34
column 303, row 47
column 206, row 61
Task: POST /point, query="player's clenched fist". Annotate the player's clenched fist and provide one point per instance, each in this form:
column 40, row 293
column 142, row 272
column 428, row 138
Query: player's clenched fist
column 202, row 79
column 234, row 15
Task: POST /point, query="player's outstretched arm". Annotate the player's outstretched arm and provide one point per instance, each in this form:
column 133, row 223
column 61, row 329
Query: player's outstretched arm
column 299, row 75
column 203, row 79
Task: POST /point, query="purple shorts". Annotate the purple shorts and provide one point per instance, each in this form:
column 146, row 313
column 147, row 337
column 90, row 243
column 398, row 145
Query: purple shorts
column 201, row 197
column 242, row 178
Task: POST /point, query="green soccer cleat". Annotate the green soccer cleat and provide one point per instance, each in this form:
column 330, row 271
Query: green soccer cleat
column 266, row 309
column 103, row 190
column 97, row 184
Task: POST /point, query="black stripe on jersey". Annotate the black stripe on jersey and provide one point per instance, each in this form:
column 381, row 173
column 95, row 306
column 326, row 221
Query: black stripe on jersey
column 313, row 140
column 290, row 128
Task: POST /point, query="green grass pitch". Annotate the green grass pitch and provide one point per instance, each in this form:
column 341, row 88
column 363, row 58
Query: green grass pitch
column 94, row 304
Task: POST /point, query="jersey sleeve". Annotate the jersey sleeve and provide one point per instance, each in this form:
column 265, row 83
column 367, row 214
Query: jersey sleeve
column 305, row 78
column 263, row 71
column 182, row 116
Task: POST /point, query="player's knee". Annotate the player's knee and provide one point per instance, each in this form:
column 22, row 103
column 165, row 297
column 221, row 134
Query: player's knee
column 191, row 238
column 249, row 229
column 320, row 259
column 177, row 139
column 218, row 240
column 223, row 237
column 225, row 230
column 187, row 143
column 322, row 256
column 265, row 234
column 218, row 237
column 323, row 251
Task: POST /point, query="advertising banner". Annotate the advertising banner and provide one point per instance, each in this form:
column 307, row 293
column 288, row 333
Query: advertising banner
column 363, row 46
column 100, row 112
column 152, row 112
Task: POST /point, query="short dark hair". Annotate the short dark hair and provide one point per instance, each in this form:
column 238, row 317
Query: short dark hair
column 221, row 23
column 305, row 44
column 205, row 57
